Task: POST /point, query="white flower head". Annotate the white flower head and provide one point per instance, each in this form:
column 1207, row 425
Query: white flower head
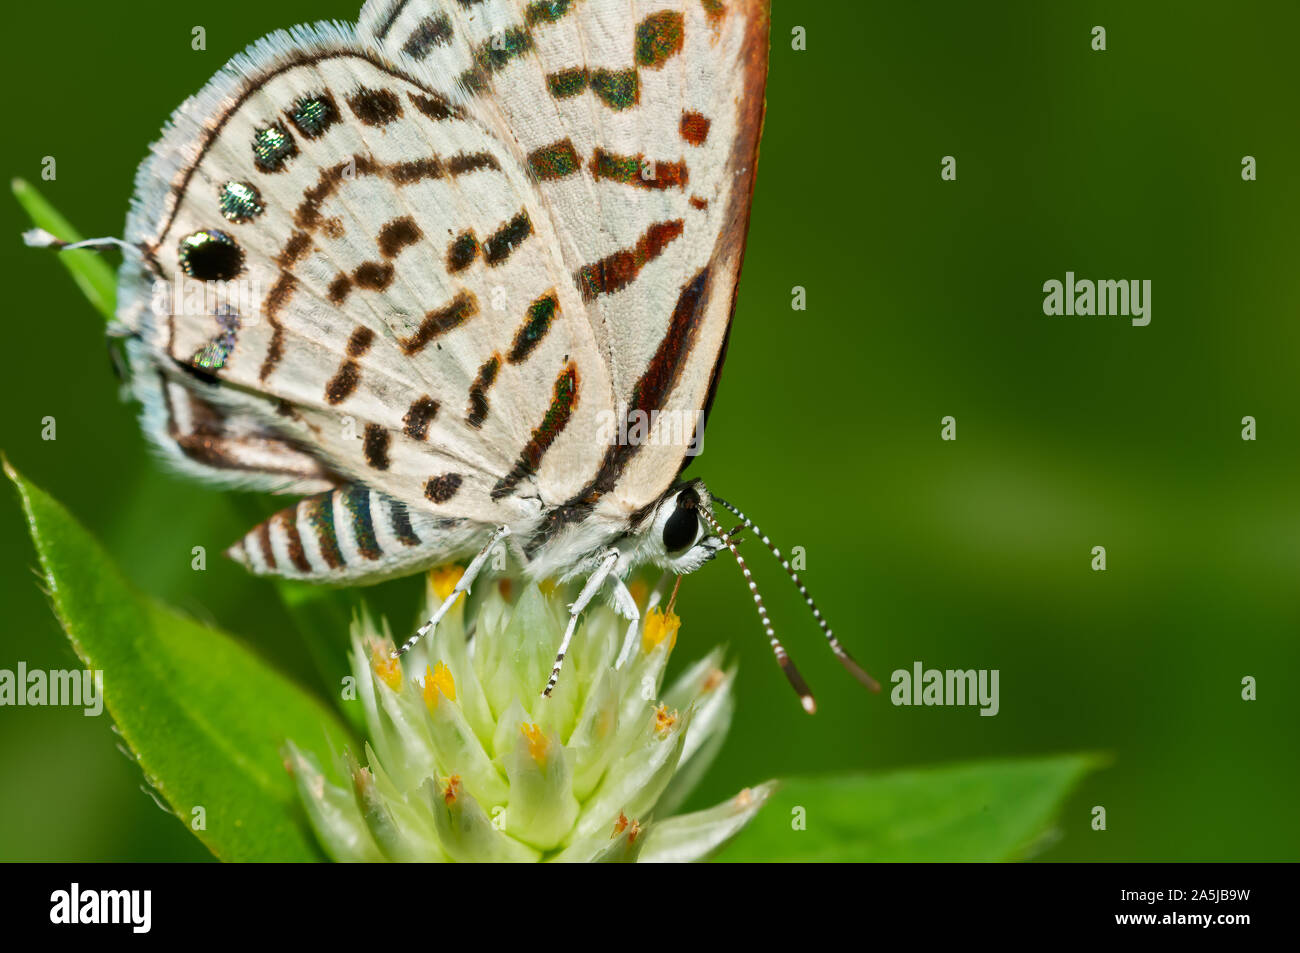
column 466, row 761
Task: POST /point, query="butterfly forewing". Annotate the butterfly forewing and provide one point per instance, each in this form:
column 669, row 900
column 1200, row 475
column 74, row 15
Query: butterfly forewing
column 639, row 122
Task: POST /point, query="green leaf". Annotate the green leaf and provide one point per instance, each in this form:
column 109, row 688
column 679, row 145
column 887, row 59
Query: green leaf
column 985, row 811
column 92, row 274
column 205, row 717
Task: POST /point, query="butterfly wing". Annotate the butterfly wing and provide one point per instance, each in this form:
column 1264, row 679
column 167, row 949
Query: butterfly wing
column 398, row 305
column 639, row 123
column 212, row 442
column 436, row 268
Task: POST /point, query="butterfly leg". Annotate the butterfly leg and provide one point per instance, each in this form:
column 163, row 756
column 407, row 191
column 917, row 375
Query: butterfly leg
column 466, row 580
column 594, row 582
column 631, row 612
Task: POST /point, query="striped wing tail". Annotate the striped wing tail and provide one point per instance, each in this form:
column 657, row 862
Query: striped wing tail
column 350, row 535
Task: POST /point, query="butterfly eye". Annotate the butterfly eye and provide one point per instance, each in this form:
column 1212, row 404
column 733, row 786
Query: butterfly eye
column 682, row 528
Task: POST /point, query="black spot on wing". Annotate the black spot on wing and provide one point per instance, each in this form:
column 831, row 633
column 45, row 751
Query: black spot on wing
column 440, row 489
column 375, row 107
column 430, row 32
column 375, row 446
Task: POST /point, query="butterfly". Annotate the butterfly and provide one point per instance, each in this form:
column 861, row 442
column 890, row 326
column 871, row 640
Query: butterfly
column 445, row 274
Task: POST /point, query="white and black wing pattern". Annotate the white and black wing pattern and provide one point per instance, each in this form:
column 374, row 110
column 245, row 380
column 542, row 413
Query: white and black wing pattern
column 439, row 274
column 639, row 122
column 232, row 449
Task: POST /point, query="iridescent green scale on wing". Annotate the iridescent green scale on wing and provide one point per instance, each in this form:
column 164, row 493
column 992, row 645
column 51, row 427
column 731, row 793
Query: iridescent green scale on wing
column 213, row 355
column 617, row 89
column 273, row 147
column 356, row 500
column 625, row 169
column 319, row 511
column 312, row 115
column 540, row 315
column 492, row 55
column 239, row 202
column 658, row 37
column 566, row 83
column 554, row 161
column 547, row 11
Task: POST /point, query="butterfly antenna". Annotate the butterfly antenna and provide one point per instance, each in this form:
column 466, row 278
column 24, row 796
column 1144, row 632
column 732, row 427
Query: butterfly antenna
column 782, row 659
column 841, row 653
column 40, row 238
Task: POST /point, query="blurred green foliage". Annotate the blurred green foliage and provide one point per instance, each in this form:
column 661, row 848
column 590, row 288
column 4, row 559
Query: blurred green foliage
column 924, row 299
column 205, row 719
column 966, row 813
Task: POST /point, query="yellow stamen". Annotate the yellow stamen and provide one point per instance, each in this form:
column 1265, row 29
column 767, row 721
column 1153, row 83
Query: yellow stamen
column 362, row 780
column 538, row 743
column 387, row 668
column 659, row 626
column 452, row 790
column 444, row 579
column 664, row 720
column 712, row 680
column 548, row 586
column 633, row 828
column 438, row 680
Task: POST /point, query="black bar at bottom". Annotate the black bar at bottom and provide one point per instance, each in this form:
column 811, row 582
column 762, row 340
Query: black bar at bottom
column 385, row 903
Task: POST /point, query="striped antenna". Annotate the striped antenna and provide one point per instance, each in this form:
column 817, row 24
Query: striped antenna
column 787, row 666
column 841, row 653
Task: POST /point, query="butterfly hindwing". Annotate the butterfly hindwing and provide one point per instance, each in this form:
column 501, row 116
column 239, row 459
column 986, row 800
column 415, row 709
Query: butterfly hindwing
column 207, row 440
column 350, row 534
column 372, row 335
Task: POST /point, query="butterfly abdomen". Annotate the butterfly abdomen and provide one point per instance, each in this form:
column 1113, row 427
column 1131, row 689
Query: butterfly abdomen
column 350, row 534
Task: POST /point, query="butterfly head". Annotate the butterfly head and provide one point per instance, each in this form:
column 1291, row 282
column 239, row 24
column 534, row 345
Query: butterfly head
column 682, row 534
column 676, row 535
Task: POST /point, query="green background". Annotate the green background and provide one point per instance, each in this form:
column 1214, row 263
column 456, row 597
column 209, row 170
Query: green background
column 924, row 300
